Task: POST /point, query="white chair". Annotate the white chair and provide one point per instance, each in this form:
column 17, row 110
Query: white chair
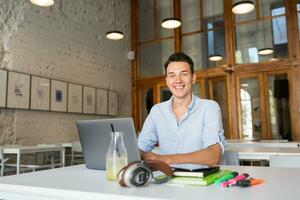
column 285, row 161
column 2, row 162
column 77, row 156
column 49, row 158
column 230, row 158
column 42, row 161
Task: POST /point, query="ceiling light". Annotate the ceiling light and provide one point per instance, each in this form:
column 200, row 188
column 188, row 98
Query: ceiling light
column 114, row 35
column 243, row 7
column 215, row 58
column 44, row 3
column 274, row 59
column 170, row 23
column 265, row 51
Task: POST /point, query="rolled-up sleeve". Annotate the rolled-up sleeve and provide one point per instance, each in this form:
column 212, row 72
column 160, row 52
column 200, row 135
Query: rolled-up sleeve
column 213, row 128
column 148, row 138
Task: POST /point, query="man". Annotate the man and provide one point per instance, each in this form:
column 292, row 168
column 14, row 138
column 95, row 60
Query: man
column 188, row 129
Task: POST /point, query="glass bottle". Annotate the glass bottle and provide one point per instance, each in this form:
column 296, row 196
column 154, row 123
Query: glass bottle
column 116, row 156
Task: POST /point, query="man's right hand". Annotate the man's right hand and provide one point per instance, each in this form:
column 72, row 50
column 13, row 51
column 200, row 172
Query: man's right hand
column 154, row 156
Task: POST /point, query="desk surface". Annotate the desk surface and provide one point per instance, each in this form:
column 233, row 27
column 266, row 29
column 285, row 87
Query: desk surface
column 262, row 153
column 77, row 182
column 14, row 149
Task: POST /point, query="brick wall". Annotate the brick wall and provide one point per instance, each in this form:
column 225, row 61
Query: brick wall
column 65, row 42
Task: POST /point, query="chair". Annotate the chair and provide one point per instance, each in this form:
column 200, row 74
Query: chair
column 285, row 161
column 230, row 158
column 2, row 162
column 40, row 161
column 49, row 158
column 76, row 156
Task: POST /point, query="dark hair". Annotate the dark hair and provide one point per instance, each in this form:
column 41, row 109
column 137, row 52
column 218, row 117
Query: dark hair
column 179, row 57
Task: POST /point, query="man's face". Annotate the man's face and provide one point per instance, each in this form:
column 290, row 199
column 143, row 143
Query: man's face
column 180, row 79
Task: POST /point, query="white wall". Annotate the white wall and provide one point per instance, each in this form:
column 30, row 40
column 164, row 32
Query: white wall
column 65, row 42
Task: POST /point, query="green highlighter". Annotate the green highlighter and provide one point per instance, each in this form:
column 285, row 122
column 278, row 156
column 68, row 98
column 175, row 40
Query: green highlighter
column 226, row 177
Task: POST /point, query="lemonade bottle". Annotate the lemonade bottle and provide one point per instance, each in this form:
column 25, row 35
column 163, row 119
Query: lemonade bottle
column 116, row 156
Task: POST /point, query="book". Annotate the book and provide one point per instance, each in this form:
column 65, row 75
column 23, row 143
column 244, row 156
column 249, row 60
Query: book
column 202, row 172
column 198, row 180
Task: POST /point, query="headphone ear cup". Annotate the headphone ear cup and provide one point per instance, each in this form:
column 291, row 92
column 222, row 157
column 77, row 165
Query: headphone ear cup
column 136, row 175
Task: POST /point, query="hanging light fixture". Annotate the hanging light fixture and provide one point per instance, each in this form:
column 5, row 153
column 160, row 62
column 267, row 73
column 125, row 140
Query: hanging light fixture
column 114, row 34
column 274, row 59
column 265, row 51
column 171, row 22
column 215, row 58
column 44, row 3
column 243, row 7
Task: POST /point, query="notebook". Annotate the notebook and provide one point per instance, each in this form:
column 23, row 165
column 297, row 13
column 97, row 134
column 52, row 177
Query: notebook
column 94, row 136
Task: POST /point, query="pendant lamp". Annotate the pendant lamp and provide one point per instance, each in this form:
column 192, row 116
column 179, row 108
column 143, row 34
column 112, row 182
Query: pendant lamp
column 265, row 51
column 171, row 22
column 43, row 3
column 114, row 34
column 243, row 7
column 215, row 58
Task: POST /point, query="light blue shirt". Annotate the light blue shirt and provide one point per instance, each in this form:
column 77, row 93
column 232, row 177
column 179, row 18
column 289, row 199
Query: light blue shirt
column 200, row 127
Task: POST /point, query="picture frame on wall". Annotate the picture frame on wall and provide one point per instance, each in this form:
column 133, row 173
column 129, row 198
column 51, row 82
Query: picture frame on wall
column 3, row 84
column 101, row 102
column 58, row 96
column 89, row 100
column 40, row 93
column 74, row 98
column 113, row 103
column 18, row 90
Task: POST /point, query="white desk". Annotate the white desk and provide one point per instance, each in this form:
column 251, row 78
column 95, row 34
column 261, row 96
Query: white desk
column 262, row 153
column 265, row 143
column 77, row 183
column 19, row 150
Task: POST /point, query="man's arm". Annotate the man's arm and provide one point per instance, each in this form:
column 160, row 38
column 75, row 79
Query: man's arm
column 208, row 156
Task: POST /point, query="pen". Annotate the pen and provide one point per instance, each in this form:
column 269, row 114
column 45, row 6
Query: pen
column 249, row 182
column 226, row 177
column 233, row 181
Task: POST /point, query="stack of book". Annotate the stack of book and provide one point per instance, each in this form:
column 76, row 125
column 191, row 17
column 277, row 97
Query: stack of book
column 202, row 177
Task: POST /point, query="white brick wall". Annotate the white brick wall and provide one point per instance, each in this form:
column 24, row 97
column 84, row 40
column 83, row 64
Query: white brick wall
column 65, row 42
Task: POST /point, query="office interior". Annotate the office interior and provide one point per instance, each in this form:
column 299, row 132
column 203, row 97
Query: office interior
column 64, row 47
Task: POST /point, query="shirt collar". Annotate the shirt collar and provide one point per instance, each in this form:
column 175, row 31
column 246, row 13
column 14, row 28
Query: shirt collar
column 190, row 107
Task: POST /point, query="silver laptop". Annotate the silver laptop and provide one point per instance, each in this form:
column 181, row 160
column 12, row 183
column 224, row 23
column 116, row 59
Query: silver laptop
column 95, row 138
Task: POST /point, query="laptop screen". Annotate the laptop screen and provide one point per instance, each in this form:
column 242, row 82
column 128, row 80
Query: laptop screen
column 95, row 138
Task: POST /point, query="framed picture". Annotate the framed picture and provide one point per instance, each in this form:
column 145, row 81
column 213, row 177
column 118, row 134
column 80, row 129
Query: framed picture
column 74, row 98
column 58, row 96
column 18, row 90
column 101, row 102
column 113, row 103
column 3, row 81
column 40, row 93
column 89, row 100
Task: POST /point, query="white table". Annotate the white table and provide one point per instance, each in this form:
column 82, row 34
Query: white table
column 77, row 183
column 262, row 153
column 264, row 143
column 19, row 150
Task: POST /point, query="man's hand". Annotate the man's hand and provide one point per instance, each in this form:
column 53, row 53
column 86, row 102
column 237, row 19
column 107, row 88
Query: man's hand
column 153, row 156
column 209, row 156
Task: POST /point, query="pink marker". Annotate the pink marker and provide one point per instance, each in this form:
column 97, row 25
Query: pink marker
column 233, row 181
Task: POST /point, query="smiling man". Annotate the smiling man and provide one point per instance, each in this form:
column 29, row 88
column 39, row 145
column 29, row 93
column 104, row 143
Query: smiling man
column 189, row 130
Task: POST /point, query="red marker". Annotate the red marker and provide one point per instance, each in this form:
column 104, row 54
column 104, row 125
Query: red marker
column 234, row 180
